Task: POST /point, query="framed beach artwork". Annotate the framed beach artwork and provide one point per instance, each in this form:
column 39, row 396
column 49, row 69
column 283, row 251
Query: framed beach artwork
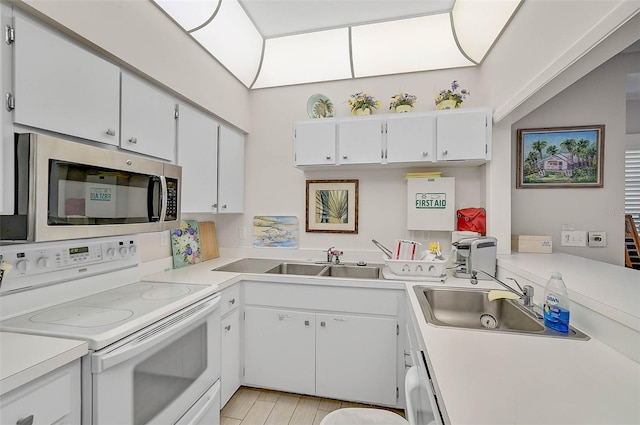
column 275, row 231
column 560, row 157
column 332, row 206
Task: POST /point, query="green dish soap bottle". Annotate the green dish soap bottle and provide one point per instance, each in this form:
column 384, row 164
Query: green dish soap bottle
column 556, row 304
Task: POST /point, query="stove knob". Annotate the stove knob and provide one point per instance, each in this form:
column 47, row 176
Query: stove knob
column 123, row 250
column 22, row 265
column 133, row 249
column 111, row 252
column 42, row 262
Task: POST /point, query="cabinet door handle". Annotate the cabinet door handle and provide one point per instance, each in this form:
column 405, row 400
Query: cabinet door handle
column 214, row 205
column 323, row 324
column 111, row 132
column 306, row 323
column 227, row 328
column 425, row 153
column 224, row 206
column 25, row 421
column 232, row 301
column 328, row 157
column 445, row 152
column 133, row 140
column 344, row 156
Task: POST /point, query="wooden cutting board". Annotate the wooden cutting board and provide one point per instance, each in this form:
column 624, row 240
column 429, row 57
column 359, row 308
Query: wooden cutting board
column 208, row 240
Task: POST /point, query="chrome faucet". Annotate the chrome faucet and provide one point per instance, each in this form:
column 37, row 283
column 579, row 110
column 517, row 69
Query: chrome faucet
column 526, row 292
column 333, row 255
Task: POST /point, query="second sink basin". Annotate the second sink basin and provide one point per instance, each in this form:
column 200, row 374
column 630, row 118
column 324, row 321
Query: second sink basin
column 354, row 272
column 297, row 268
column 471, row 309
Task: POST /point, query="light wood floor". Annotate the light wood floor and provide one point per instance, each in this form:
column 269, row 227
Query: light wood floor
column 253, row 406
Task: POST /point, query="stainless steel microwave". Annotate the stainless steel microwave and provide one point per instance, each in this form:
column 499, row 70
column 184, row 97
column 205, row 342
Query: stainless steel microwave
column 69, row 190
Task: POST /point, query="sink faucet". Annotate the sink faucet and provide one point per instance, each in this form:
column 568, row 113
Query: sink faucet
column 526, row 293
column 333, row 255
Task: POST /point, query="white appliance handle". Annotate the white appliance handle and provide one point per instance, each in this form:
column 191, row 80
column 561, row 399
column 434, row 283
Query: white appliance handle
column 148, row 337
column 163, row 198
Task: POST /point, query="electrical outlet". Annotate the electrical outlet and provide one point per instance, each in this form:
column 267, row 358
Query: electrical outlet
column 598, row 239
column 242, row 233
column 573, row 238
column 164, row 238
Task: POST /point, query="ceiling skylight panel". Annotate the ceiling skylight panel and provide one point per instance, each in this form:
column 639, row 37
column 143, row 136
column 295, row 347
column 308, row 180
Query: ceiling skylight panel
column 232, row 38
column 305, row 58
column 407, row 45
column 189, row 14
column 479, row 23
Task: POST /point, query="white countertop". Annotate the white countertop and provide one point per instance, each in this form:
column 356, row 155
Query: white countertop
column 24, row 358
column 498, row 378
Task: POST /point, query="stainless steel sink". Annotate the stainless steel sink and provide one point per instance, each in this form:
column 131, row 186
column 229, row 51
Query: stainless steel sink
column 298, row 268
column 354, row 272
column 471, row 309
column 347, row 270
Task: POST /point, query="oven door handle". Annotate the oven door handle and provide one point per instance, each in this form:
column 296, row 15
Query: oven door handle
column 148, row 337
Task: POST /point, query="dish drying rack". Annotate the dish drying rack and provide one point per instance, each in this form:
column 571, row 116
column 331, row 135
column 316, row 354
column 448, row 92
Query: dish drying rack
column 423, row 270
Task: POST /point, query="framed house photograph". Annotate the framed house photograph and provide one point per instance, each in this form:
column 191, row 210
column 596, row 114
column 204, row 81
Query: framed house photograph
column 332, row 206
column 560, row 157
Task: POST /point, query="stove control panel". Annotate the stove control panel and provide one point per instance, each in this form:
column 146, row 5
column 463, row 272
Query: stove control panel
column 38, row 264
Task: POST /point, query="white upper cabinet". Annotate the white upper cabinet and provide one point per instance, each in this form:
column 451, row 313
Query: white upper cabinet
column 198, row 156
column 463, row 135
column 410, row 138
column 230, row 171
column 315, row 142
column 59, row 86
column 360, row 141
column 148, row 119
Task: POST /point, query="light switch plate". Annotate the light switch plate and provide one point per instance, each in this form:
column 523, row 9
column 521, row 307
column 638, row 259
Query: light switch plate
column 573, row 238
column 598, row 239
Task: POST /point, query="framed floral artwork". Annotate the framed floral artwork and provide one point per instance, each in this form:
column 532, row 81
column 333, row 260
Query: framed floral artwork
column 560, row 157
column 332, row 206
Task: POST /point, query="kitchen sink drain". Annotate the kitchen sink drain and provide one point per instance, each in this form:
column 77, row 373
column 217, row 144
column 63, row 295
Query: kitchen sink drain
column 488, row 321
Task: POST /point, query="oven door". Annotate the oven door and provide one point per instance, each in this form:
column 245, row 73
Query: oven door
column 156, row 375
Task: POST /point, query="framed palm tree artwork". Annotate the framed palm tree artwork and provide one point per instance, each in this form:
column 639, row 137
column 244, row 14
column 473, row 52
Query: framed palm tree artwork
column 332, row 206
column 561, row 157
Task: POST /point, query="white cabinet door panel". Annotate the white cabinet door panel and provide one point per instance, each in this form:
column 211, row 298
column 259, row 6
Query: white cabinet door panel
column 356, row 358
column 410, row 138
column 461, row 135
column 148, row 119
column 230, row 367
column 198, row 156
column 360, row 141
column 315, row 143
column 230, row 171
column 280, row 349
column 61, row 87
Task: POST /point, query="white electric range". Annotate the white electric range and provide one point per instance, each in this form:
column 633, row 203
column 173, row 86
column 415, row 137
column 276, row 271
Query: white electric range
column 154, row 347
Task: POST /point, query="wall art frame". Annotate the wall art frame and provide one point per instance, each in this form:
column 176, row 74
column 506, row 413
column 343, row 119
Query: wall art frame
column 560, row 157
column 332, row 206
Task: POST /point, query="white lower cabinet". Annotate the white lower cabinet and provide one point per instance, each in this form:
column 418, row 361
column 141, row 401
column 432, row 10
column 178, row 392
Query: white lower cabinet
column 355, row 358
column 230, row 356
column 280, row 349
column 230, row 342
column 51, row 399
column 335, row 342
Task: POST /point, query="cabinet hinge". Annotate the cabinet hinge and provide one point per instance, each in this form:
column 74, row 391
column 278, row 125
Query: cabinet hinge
column 243, row 373
column 486, row 148
column 176, row 113
column 397, row 393
column 397, row 329
column 9, row 34
column 11, row 102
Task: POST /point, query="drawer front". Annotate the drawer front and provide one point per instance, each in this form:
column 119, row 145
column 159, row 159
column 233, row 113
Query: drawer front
column 317, row 297
column 47, row 400
column 230, row 299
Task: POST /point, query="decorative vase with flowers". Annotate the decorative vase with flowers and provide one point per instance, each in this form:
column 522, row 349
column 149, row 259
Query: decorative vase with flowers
column 362, row 103
column 451, row 98
column 402, row 102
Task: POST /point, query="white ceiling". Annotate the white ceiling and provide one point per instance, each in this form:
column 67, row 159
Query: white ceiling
column 274, row 18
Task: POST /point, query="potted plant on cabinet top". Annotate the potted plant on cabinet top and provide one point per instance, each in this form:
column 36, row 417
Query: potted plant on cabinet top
column 402, row 102
column 361, row 103
column 451, row 98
